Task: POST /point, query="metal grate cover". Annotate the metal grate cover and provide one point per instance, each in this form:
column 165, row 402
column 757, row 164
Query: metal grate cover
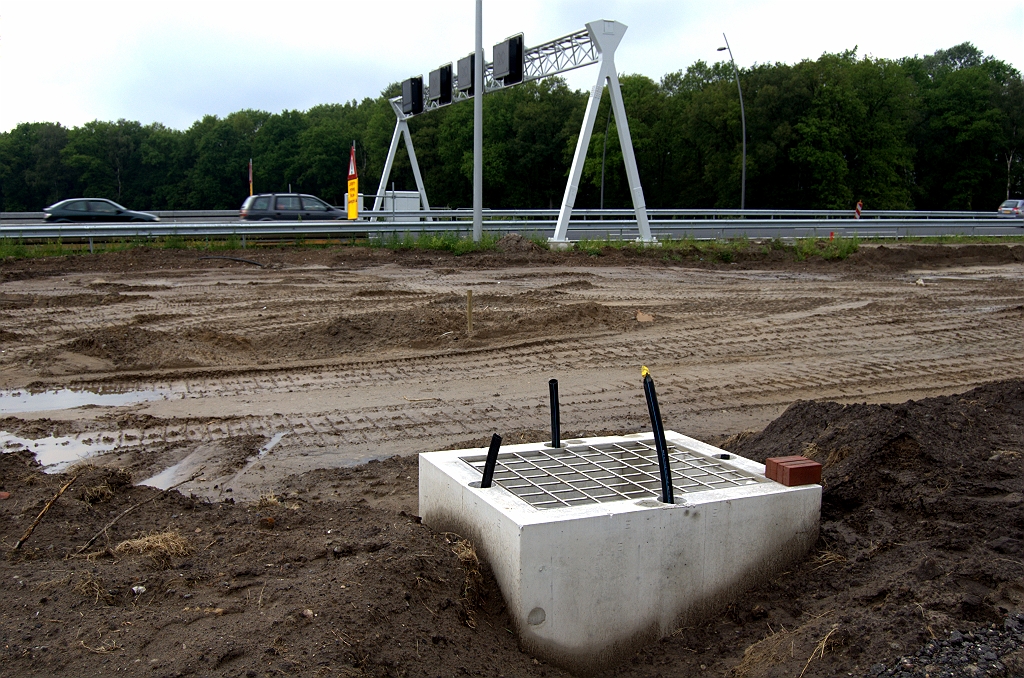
column 590, row 474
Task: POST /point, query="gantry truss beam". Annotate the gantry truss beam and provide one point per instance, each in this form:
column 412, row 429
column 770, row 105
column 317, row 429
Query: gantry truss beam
column 594, row 45
column 560, row 55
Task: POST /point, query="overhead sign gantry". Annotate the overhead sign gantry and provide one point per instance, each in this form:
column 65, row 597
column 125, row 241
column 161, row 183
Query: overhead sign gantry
column 512, row 65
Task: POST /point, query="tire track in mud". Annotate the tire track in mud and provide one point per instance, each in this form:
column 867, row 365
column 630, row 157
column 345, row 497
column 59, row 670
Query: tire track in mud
column 729, row 350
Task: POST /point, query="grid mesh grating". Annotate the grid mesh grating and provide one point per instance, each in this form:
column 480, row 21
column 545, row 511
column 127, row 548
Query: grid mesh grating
column 590, row 474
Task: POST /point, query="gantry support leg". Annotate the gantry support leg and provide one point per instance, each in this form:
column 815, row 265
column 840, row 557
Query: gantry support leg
column 606, row 35
column 401, row 132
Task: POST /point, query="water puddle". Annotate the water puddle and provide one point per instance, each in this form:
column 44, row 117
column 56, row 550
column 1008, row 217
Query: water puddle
column 200, row 459
column 171, row 475
column 57, row 453
column 15, row 402
column 271, row 444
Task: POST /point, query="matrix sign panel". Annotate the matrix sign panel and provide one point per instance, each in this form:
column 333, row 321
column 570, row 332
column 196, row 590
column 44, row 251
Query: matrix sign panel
column 467, row 69
column 508, row 60
column 441, row 85
column 412, row 96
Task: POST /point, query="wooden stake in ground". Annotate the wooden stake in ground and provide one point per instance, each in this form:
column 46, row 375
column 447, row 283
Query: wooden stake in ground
column 469, row 312
column 28, row 532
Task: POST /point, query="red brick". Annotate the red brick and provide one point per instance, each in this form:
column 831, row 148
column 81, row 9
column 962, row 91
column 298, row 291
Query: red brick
column 805, row 472
column 771, row 465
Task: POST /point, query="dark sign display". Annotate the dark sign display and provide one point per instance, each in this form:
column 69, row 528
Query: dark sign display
column 441, row 85
column 508, row 60
column 412, row 96
column 467, row 69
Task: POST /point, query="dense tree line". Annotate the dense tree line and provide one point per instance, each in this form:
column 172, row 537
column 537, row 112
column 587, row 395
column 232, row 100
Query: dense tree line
column 944, row 131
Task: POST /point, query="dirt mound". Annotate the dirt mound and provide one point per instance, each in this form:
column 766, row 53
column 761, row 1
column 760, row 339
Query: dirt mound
column 573, row 285
column 62, row 301
column 301, row 583
column 897, row 457
column 442, row 322
column 903, row 257
column 433, row 324
column 130, row 346
column 513, row 242
column 922, row 518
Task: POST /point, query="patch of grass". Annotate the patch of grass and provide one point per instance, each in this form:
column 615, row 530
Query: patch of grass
column 167, row 544
column 232, row 242
column 97, row 493
column 539, row 239
column 804, row 248
column 459, row 242
column 52, row 248
column 726, row 251
column 763, row 654
column 173, row 242
column 594, row 247
column 472, row 586
column 119, row 245
column 445, row 241
column 834, row 249
column 11, row 248
column 840, row 248
column 91, row 587
column 53, row 585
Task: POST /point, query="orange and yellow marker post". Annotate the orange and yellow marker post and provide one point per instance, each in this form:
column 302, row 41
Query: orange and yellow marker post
column 353, row 185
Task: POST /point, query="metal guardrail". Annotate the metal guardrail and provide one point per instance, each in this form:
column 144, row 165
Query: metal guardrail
column 586, row 227
column 229, row 216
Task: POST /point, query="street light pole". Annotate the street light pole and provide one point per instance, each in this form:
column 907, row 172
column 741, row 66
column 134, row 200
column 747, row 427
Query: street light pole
column 478, row 126
column 743, row 123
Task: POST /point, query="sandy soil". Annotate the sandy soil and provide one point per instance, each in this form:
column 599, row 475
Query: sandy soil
column 272, row 380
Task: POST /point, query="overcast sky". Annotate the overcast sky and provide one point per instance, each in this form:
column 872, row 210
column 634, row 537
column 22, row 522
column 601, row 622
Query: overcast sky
column 174, row 61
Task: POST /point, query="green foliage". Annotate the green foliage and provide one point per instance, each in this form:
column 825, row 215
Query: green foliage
column 539, row 239
column 943, row 131
column 447, row 241
column 595, row 247
column 52, row 248
column 172, row 242
column 829, row 249
column 12, row 248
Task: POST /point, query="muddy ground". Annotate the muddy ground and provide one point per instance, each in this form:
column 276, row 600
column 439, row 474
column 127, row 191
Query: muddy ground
column 278, row 553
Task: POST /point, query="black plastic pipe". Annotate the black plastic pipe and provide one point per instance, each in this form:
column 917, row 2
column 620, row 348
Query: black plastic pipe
column 492, row 459
column 556, row 432
column 659, row 439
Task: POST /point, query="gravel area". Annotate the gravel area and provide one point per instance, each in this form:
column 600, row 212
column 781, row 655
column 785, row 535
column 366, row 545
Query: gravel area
column 963, row 653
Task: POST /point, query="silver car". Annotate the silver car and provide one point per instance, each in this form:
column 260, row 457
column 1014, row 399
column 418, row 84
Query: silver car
column 1011, row 209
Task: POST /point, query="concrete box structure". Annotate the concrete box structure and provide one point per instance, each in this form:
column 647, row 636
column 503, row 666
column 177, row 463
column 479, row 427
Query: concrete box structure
column 591, row 564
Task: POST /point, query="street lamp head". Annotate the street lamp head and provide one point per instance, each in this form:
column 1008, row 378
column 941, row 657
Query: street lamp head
column 722, row 49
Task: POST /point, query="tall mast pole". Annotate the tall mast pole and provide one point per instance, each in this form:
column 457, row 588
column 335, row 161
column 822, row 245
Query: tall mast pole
column 478, row 127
